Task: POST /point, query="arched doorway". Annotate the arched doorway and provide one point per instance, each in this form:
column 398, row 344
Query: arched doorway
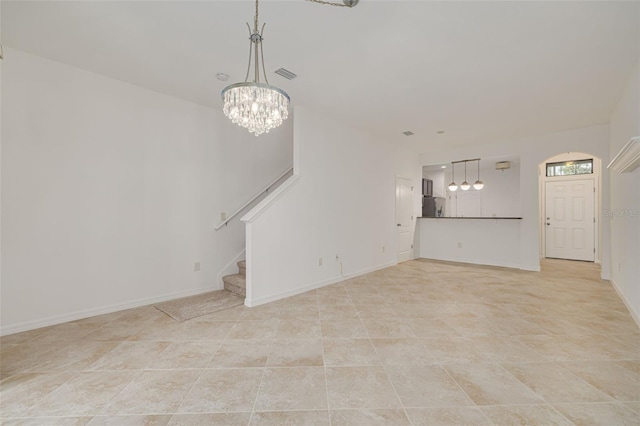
column 570, row 200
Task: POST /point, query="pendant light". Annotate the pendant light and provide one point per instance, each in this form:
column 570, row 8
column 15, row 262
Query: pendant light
column 465, row 185
column 452, row 185
column 256, row 106
column 478, row 184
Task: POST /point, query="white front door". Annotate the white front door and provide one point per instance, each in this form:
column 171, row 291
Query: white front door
column 404, row 218
column 570, row 223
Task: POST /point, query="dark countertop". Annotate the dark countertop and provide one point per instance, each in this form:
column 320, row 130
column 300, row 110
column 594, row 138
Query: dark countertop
column 469, row 217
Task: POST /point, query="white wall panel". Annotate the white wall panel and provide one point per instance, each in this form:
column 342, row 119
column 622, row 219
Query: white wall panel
column 342, row 204
column 110, row 192
column 624, row 212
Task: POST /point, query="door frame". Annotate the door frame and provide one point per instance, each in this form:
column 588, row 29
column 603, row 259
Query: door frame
column 413, row 217
column 576, row 178
column 542, row 193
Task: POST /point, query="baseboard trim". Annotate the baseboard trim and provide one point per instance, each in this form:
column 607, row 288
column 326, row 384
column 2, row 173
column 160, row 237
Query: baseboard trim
column 86, row 313
column 634, row 314
column 272, row 298
column 535, row 268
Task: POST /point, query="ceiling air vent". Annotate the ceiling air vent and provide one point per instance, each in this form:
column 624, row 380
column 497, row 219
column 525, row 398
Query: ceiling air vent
column 285, row 73
column 408, row 133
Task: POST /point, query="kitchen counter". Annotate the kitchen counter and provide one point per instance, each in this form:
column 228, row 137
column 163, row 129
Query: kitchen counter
column 470, row 217
column 478, row 240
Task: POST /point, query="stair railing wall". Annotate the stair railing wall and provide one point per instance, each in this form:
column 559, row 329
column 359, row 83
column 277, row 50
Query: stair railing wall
column 262, row 192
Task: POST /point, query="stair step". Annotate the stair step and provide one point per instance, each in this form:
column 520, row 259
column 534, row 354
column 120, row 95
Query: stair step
column 236, row 283
column 242, row 267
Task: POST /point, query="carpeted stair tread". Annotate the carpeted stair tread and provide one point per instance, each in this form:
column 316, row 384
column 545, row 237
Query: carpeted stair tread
column 242, row 267
column 190, row 307
column 236, row 283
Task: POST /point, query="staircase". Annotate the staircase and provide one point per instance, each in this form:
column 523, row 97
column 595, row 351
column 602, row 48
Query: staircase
column 237, row 283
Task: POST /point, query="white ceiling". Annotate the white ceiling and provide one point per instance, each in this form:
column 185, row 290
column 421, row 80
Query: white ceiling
column 481, row 71
column 514, row 159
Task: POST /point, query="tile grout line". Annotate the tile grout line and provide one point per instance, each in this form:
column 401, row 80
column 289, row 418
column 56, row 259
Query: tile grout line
column 264, row 372
column 186, row 395
column 386, row 373
column 547, row 403
column 561, row 414
column 134, row 377
column 574, row 375
column 466, row 394
column 324, row 364
column 202, row 372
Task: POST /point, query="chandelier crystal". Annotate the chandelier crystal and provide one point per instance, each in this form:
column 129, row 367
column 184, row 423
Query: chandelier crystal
column 258, row 107
column 255, row 106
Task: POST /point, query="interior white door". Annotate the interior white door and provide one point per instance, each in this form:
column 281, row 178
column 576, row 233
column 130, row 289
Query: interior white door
column 404, row 218
column 570, row 224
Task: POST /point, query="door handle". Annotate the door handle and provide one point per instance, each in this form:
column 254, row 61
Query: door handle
column 398, row 225
column 548, row 223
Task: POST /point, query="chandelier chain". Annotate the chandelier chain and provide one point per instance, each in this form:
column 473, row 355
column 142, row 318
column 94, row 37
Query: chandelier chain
column 264, row 70
column 246, row 78
column 255, row 22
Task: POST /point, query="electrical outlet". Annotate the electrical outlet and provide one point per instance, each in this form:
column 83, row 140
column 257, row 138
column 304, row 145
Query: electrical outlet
column 459, row 244
column 383, row 248
column 319, row 261
column 223, row 216
column 196, row 266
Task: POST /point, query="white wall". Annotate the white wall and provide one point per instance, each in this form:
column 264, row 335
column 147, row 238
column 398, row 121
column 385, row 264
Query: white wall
column 481, row 241
column 110, row 192
column 625, row 200
column 342, row 202
column 1, row 62
column 501, row 192
column 532, row 151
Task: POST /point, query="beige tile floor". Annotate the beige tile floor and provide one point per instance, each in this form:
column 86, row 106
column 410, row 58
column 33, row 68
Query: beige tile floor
column 423, row 343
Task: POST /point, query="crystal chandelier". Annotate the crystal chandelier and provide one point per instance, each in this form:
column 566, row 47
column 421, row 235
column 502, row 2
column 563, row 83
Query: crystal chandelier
column 256, row 106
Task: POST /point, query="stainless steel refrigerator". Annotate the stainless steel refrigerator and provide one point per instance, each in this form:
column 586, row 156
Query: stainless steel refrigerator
column 433, row 206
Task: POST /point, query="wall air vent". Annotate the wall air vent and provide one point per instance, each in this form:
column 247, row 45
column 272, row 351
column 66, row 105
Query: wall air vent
column 408, row 133
column 503, row 165
column 285, row 73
